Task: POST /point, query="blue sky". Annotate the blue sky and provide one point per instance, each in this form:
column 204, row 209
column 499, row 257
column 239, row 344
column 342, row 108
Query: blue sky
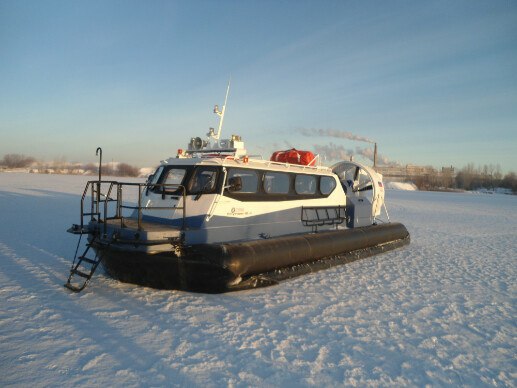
column 434, row 82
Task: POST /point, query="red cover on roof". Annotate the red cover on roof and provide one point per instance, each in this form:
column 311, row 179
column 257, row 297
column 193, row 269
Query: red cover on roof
column 294, row 156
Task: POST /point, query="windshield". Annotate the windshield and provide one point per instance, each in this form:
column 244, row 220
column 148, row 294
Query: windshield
column 154, row 178
column 174, row 176
column 203, row 180
column 167, row 179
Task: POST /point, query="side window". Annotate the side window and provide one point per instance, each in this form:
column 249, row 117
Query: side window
column 327, row 185
column 203, row 180
column 276, row 183
column 305, row 184
column 249, row 179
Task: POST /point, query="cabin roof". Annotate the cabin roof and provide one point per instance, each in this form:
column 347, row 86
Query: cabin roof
column 250, row 163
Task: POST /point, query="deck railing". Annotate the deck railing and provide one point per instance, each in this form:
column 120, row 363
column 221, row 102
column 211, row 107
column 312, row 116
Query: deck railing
column 114, row 193
column 315, row 216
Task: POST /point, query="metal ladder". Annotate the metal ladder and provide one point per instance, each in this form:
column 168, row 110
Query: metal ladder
column 84, row 267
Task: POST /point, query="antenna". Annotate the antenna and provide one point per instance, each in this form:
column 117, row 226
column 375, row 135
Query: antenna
column 221, row 113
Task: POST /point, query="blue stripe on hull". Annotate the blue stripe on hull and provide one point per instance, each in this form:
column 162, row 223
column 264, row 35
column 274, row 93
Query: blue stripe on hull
column 228, row 229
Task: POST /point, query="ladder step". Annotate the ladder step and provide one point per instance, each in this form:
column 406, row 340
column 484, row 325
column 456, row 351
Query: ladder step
column 76, row 229
column 75, row 265
column 73, row 288
column 80, row 273
column 83, row 258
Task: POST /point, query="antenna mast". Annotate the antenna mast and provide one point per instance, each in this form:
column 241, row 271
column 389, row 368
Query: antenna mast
column 221, row 113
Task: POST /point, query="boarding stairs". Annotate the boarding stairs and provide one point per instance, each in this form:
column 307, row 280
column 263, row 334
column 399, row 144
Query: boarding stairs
column 104, row 222
column 83, row 267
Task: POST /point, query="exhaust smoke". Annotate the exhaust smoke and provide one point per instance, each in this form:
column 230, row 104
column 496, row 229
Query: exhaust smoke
column 334, row 133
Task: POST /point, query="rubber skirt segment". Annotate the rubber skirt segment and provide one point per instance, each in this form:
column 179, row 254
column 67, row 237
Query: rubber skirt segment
column 215, row 268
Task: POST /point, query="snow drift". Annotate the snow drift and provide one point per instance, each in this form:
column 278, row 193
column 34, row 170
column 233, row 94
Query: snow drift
column 407, row 186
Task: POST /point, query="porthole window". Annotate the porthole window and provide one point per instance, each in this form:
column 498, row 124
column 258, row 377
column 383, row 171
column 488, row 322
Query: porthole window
column 276, row 183
column 305, row 184
column 327, row 185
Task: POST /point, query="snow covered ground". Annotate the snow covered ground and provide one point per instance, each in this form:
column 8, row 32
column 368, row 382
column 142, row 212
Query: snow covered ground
column 441, row 311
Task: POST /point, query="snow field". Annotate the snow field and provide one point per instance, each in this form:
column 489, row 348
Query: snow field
column 438, row 312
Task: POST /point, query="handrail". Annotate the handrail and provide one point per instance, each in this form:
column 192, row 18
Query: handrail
column 338, row 216
column 103, row 216
column 141, row 186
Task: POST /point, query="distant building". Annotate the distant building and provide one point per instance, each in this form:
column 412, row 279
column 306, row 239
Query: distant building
column 410, row 171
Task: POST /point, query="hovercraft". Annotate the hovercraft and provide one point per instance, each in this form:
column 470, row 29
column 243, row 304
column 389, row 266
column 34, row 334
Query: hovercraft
column 214, row 219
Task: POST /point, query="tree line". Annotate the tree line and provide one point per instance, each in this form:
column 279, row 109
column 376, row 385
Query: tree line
column 469, row 177
column 61, row 166
column 17, row 161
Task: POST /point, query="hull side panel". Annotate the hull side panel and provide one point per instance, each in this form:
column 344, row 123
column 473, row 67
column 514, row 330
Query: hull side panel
column 230, row 228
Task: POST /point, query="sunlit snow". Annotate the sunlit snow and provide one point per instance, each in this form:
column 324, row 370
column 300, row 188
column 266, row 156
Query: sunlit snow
column 440, row 311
